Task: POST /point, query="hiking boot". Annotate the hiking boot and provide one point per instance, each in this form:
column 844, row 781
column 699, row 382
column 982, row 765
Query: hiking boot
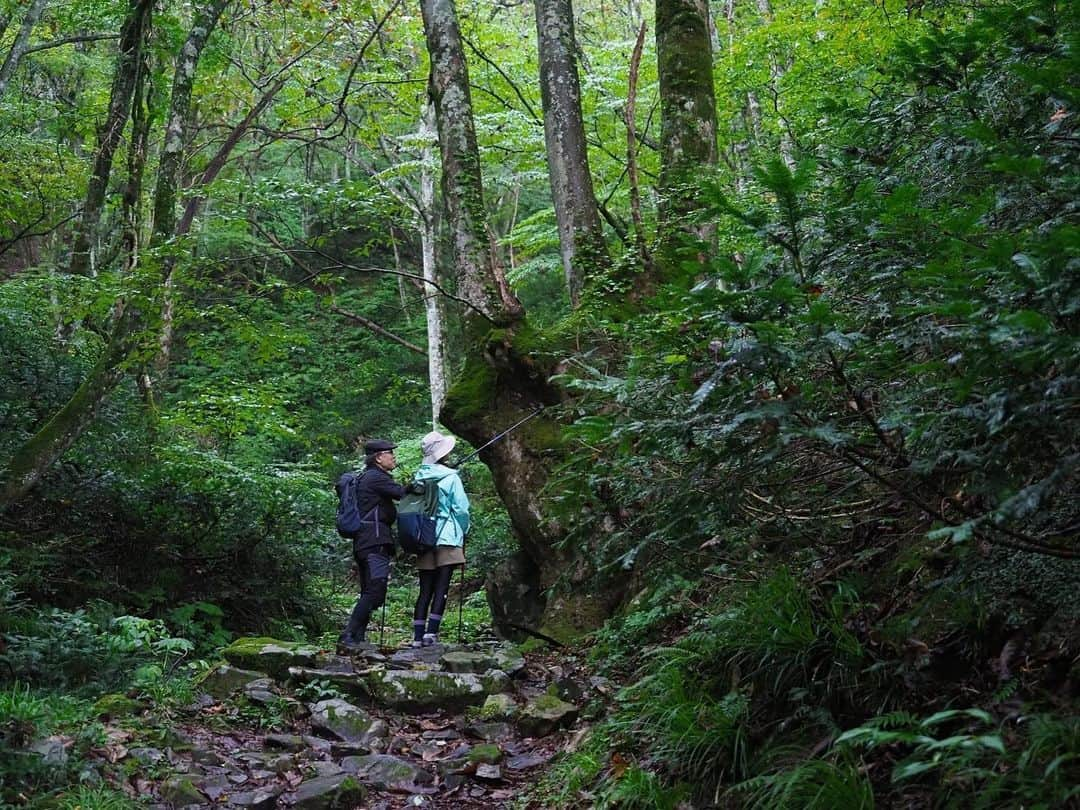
column 429, row 639
column 416, row 643
column 351, row 644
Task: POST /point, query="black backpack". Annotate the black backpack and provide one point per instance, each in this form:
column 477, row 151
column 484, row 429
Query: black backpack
column 348, row 511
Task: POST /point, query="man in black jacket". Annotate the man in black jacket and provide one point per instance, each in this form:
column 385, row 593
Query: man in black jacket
column 373, row 544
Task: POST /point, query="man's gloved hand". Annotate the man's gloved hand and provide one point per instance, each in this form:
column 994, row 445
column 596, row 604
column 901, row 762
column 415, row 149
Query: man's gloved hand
column 416, row 488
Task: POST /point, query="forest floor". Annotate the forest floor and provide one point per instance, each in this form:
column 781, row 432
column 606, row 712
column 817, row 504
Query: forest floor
column 381, row 729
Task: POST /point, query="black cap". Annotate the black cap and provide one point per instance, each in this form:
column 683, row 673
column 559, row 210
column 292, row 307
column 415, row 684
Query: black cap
column 377, row 446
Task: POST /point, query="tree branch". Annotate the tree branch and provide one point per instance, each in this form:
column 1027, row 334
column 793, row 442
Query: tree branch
column 507, row 79
column 56, row 43
column 378, row 330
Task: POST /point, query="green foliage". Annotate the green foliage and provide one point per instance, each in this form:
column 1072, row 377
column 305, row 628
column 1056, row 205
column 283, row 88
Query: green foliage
column 965, row 754
column 27, row 716
column 638, row 788
column 573, row 773
column 94, row 798
column 814, row 784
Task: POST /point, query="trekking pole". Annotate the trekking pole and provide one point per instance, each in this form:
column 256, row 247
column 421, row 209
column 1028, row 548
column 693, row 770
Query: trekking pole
column 494, row 439
column 382, row 624
column 460, row 602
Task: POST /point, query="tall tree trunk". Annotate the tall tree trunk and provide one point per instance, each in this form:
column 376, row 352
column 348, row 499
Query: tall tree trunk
column 432, row 303
column 11, row 62
column 479, row 281
column 191, row 210
column 776, row 73
column 505, row 378
column 172, row 158
column 687, row 120
column 141, row 118
column 128, row 64
column 581, row 238
column 176, row 128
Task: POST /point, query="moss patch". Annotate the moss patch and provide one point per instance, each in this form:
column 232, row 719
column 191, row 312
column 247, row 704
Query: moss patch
column 270, row 655
column 114, row 705
column 487, row 753
column 474, row 391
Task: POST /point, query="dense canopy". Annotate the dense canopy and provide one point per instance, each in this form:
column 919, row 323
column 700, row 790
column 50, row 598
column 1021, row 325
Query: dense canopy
column 782, row 295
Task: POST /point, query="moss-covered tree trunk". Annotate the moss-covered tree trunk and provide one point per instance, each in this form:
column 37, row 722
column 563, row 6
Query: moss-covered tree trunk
column 479, row 281
column 687, row 121
column 178, row 123
column 503, row 381
column 54, row 438
column 581, row 239
column 129, row 63
column 172, row 158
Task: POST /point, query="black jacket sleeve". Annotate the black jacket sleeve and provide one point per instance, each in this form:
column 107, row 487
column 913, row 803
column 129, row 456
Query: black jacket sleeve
column 382, row 484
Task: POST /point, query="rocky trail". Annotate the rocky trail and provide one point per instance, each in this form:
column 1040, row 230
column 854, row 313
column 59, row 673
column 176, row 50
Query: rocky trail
column 437, row 727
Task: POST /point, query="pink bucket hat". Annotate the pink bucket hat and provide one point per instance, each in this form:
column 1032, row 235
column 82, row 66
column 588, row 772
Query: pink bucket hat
column 436, row 447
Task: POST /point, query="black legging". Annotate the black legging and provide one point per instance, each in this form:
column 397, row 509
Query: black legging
column 434, row 585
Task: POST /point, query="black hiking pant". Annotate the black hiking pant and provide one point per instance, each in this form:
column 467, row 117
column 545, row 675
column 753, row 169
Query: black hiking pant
column 374, row 570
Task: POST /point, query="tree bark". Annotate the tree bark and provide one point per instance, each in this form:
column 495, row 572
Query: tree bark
column 776, row 74
column 128, row 64
column 140, row 136
column 176, row 128
column 504, row 379
column 432, row 302
column 479, row 280
column 581, row 238
column 18, row 47
column 687, row 120
column 172, row 158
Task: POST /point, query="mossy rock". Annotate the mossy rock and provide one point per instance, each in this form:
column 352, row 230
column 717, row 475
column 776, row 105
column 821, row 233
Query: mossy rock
column 180, row 791
column 348, row 682
column 386, row 772
column 571, row 616
column 498, row 707
column 223, row 680
column 544, row 714
column 468, row 661
column 343, row 721
column 115, row 705
column 340, row 791
column 270, row 655
column 486, row 753
column 495, row 680
column 418, row 690
column 509, row 659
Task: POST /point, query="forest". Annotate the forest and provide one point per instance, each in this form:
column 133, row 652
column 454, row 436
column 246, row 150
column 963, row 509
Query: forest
column 781, row 299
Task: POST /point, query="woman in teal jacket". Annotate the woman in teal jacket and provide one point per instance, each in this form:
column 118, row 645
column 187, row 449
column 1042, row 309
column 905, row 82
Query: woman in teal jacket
column 451, row 525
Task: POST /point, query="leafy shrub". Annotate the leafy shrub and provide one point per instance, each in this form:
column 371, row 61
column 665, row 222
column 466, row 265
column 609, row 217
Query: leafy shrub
column 964, row 755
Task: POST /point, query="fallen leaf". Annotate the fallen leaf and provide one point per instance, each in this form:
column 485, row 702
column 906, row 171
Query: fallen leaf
column 619, row 764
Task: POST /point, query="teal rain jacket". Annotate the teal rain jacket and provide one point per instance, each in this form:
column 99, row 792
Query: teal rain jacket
column 452, row 513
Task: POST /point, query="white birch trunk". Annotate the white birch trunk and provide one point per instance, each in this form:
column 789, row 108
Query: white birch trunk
column 432, row 302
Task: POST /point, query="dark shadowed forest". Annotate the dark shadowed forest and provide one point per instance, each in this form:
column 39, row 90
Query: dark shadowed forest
column 782, row 297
